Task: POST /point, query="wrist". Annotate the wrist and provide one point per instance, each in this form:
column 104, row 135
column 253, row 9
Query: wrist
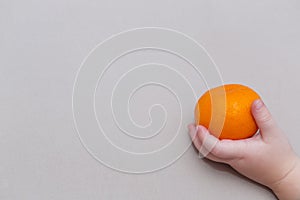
column 288, row 188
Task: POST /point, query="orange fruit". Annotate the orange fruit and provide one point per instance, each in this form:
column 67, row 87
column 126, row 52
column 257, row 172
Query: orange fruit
column 226, row 111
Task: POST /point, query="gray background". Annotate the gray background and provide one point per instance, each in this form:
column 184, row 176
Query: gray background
column 42, row 44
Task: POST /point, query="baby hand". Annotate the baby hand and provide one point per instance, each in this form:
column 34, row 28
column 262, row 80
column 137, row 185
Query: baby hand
column 266, row 158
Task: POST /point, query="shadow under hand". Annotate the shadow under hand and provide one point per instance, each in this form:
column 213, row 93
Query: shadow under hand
column 227, row 168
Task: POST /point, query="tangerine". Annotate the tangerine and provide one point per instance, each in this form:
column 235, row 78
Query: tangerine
column 226, row 111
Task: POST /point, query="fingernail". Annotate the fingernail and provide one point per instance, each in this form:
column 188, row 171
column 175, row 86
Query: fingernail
column 258, row 104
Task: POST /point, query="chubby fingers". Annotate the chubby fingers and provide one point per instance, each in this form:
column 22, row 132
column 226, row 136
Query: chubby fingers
column 264, row 119
column 194, row 135
column 213, row 148
column 203, row 152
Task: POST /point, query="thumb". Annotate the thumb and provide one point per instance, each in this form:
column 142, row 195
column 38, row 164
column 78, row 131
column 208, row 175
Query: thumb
column 263, row 118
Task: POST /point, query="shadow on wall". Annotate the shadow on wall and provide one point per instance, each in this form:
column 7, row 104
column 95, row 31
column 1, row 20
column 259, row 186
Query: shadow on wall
column 228, row 169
